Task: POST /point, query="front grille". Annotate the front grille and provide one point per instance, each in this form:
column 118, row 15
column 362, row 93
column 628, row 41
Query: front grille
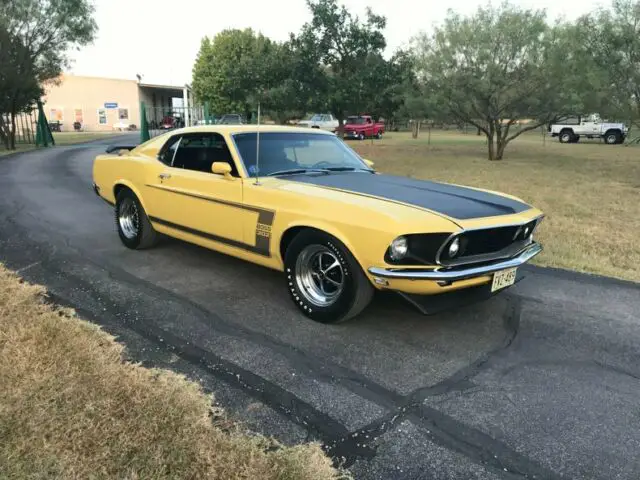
column 488, row 244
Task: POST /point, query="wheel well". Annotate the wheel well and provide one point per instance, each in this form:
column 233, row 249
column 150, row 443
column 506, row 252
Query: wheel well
column 288, row 236
column 613, row 130
column 291, row 233
column 118, row 188
column 566, row 130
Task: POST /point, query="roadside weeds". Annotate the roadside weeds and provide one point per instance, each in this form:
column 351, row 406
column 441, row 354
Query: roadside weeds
column 71, row 408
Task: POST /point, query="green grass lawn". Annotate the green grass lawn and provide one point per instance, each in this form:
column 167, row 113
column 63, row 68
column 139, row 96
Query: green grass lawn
column 590, row 192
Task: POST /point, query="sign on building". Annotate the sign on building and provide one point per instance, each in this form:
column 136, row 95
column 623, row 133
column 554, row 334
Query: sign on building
column 110, row 105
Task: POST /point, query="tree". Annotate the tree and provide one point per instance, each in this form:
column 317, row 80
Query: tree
column 497, row 67
column 19, row 87
column 610, row 39
column 234, row 68
column 346, row 53
column 36, row 36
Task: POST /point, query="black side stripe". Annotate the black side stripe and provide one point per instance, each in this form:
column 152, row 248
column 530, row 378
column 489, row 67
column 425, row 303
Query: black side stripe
column 261, row 248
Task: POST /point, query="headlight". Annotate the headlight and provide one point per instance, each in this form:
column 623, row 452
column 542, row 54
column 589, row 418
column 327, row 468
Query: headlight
column 399, row 248
column 454, row 248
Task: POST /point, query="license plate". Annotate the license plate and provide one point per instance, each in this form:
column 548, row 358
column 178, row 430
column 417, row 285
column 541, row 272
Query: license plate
column 503, row 279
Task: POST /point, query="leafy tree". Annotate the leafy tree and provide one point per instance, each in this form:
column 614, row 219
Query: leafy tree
column 497, row 67
column 234, row 68
column 346, row 52
column 610, row 40
column 35, row 37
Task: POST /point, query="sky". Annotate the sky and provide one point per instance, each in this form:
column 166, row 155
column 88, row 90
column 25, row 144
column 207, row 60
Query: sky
column 160, row 39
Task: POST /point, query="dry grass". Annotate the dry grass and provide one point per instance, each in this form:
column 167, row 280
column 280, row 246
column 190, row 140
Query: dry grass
column 70, row 138
column 590, row 192
column 70, row 408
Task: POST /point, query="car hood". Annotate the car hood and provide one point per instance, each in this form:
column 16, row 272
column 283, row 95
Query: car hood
column 450, row 200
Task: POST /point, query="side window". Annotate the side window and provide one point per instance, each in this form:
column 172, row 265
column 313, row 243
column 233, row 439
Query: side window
column 169, row 149
column 198, row 151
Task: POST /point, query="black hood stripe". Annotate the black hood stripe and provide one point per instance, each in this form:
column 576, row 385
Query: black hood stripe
column 453, row 201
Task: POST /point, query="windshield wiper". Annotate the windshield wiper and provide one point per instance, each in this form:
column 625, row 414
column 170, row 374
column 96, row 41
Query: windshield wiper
column 348, row 169
column 294, row 171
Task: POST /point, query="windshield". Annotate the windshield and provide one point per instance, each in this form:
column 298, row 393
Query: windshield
column 356, row 120
column 280, row 151
column 316, row 118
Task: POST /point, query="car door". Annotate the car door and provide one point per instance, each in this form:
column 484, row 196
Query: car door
column 185, row 195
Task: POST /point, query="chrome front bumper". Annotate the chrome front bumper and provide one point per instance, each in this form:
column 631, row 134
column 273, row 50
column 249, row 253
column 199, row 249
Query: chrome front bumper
column 441, row 274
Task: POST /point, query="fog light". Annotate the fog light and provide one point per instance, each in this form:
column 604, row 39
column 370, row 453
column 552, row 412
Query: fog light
column 454, row 248
column 399, row 248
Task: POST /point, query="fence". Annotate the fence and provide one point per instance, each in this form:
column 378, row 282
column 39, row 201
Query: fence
column 26, row 127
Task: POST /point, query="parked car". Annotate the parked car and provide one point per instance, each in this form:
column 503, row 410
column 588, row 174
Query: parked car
column 362, row 126
column 121, row 126
column 589, row 126
column 323, row 121
column 319, row 213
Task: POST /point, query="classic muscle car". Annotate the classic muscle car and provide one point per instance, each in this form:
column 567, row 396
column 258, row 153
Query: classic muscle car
column 302, row 202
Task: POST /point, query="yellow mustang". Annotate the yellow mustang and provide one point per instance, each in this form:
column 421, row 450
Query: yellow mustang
column 301, row 201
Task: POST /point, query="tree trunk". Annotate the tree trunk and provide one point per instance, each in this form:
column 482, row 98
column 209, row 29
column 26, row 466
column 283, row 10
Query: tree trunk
column 414, row 129
column 340, row 125
column 479, row 132
column 12, row 135
column 490, row 136
column 502, row 144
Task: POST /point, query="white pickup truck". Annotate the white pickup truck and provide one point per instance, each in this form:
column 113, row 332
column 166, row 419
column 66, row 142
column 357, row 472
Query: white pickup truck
column 324, row 121
column 589, row 126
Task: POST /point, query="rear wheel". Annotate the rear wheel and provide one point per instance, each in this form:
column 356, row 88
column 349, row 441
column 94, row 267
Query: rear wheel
column 566, row 136
column 324, row 280
column 133, row 225
column 612, row 137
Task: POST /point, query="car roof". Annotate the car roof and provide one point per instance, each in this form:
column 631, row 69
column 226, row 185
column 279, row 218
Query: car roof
column 231, row 129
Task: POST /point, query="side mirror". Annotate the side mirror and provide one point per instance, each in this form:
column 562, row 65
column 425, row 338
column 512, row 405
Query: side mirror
column 222, row 168
column 368, row 162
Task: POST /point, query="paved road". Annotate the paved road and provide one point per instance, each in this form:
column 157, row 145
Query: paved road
column 542, row 381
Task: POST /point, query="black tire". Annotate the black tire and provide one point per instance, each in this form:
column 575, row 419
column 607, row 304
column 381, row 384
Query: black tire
column 613, row 137
column 361, row 136
column 356, row 291
column 144, row 236
column 379, row 135
column 566, row 136
column 576, row 139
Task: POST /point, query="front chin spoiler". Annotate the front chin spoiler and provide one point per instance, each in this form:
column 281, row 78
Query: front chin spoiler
column 447, row 276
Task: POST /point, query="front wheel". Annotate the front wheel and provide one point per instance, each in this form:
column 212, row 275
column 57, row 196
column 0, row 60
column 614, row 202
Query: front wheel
column 324, row 279
column 361, row 136
column 379, row 135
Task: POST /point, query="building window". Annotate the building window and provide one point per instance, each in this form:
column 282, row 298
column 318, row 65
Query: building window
column 55, row 115
column 123, row 113
column 102, row 116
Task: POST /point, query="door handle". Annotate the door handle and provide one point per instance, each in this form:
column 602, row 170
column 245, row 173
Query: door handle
column 164, row 176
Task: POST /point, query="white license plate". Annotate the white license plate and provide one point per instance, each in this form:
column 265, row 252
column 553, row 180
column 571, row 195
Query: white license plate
column 503, row 279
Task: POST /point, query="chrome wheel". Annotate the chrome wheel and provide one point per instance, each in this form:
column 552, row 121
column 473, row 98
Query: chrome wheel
column 611, row 139
column 128, row 218
column 319, row 275
column 566, row 138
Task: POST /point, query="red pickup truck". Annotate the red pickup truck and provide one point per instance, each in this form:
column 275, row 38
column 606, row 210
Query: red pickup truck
column 362, row 126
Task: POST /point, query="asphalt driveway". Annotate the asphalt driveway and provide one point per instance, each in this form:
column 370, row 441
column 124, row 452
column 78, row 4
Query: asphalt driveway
column 542, row 381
